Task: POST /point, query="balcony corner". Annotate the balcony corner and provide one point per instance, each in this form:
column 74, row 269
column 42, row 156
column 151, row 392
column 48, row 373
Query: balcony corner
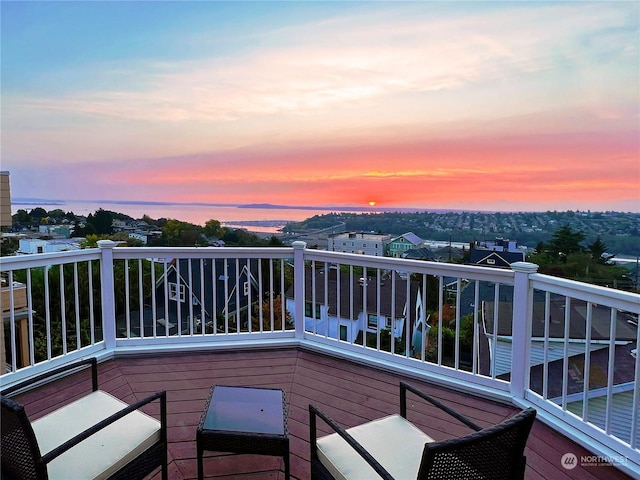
column 521, row 331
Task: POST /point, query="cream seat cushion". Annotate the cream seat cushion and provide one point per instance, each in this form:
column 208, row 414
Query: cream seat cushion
column 104, row 452
column 393, row 441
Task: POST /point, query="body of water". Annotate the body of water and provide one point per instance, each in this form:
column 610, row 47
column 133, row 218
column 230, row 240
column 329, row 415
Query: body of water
column 252, row 218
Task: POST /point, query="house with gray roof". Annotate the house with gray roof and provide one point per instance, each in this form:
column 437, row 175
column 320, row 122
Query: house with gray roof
column 347, row 308
column 214, row 294
column 398, row 246
column 600, row 330
column 550, row 372
column 421, row 253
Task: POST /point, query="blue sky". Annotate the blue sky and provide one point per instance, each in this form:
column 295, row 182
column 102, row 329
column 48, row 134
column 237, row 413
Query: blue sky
column 494, row 105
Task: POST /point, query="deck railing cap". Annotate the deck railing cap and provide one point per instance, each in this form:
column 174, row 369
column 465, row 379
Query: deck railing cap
column 107, row 243
column 524, row 267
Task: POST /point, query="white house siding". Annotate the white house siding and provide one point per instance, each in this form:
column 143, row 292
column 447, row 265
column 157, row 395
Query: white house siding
column 326, row 325
column 621, row 412
column 556, row 351
column 353, row 327
column 30, row 246
column 330, row 324
column 360, row 243
column 139, row 236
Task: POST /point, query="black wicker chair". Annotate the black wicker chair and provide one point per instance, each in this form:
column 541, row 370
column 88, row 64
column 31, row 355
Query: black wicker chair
column 392, row 447
column 97, row 436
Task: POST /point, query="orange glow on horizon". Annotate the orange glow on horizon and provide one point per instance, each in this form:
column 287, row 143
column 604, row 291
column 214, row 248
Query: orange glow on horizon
column 496, row 171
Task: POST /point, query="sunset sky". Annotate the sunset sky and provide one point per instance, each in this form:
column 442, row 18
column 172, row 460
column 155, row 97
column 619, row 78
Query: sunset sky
column 528, row 106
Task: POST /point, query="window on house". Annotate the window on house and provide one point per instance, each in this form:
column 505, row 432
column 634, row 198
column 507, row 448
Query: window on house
column 308, row 308
column 372, row 322
column 491, row 261
column 388, row 323
column 343, row 333
column 246, row 288
column 176, row 293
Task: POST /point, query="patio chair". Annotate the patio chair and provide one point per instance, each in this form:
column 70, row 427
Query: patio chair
column 394, row 448
column 96, row 437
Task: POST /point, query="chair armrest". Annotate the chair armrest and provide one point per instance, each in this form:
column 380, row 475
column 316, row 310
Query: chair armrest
column 313, row 412
column 48, row 375
column 59, row 450
column 403, row 405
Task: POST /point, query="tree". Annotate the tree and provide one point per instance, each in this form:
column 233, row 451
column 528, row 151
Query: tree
column 57, row 335
column 272, row 272
column 274, row 241
column 21, row 216
column 241, row 237
column 565, row 241
column 147, row 219
column 37, row 214
column 385, row 341
column 448, row 342
column 267, row 307
column 90, row 241
column 447, row 316
column 589, row 266
column 132, row 270
column 101, row 221
column 181, row 234
column 8, row 246
column 56, row 214
column 213, row 229
column 597, row 250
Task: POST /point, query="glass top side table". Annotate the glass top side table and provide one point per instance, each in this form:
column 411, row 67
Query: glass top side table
column 248, row 420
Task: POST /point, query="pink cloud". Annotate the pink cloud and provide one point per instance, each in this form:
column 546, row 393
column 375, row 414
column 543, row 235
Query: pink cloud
column 542, row 171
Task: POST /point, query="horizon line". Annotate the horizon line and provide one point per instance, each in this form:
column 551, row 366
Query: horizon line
column 346, row 208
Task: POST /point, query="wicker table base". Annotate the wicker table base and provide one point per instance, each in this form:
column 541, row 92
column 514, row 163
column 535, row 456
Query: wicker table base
column 244, row 420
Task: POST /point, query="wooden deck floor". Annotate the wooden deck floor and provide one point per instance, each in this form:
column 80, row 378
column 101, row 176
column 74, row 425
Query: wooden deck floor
column 350, row 393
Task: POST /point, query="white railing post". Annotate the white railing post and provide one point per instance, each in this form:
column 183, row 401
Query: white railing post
column 107, row 293
column 521, row 327
column 298, row 281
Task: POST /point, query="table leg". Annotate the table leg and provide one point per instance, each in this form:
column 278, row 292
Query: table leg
column 199, row 455
column 286, row 467
column 286, row 461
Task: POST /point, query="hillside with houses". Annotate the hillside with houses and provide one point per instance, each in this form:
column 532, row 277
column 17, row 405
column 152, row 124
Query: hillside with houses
column 569, row 244
column 620, row 231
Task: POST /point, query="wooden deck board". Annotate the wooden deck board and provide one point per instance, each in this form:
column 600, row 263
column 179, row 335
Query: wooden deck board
column 350, row 393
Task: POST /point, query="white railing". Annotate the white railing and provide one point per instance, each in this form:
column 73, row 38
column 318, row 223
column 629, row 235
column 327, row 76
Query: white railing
column 586, row 375
column 50, row 307
column 175, row 297
column 564, row 347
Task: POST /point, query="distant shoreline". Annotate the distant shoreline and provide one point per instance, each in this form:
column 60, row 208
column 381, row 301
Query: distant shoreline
column 16, row 201
column 265, row 206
